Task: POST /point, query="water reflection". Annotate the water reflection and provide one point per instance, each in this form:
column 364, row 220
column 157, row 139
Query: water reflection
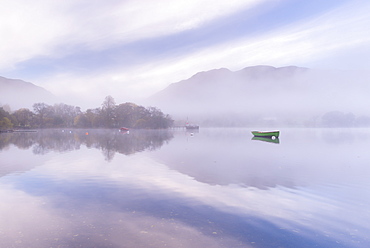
column 108, row 141
column 215, row 188
column 305, row 157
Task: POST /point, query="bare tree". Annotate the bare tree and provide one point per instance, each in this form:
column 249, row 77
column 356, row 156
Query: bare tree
column 108, row 108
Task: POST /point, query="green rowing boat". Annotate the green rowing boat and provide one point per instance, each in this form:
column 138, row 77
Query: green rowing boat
column 270, row 134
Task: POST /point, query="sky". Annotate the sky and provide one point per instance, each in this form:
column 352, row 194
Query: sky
column 85, row 50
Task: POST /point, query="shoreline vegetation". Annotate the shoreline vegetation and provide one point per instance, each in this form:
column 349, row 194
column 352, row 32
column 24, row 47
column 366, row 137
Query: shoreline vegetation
column 133, row 116
column 109, row 115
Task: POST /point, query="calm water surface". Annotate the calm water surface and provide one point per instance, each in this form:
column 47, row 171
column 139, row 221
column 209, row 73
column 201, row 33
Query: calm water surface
column 213, row 188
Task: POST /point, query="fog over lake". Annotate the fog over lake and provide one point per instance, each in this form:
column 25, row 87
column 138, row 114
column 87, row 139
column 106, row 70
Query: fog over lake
column 96, row 98
column 268, row 96
column 173, row 188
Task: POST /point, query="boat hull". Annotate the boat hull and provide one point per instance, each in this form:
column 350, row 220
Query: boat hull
column 266, row 134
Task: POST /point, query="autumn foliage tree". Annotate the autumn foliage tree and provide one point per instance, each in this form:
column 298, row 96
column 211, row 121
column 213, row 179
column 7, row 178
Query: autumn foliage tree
column 5, row 120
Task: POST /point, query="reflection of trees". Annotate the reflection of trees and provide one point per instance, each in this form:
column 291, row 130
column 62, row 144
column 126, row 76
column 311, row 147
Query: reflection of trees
column 128, row 143
column 108, row 140
column 4, row 140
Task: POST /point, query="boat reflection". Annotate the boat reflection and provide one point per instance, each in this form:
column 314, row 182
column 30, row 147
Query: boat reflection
column 267, row 139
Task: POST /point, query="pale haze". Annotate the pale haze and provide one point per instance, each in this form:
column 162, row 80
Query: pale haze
column 82, row 51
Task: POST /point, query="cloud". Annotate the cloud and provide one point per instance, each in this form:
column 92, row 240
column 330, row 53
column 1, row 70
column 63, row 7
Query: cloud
column 301, row 43
column 132, row 49
column 46, row 28
column 27, row 30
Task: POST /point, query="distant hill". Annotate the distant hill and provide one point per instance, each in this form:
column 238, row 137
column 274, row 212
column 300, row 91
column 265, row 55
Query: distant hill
column 263, row 94
column 20, row 94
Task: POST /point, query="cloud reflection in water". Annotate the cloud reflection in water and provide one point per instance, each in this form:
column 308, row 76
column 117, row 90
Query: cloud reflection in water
column 144, row 200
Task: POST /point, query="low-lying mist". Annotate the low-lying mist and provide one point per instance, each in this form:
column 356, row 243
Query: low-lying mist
column 264, row 95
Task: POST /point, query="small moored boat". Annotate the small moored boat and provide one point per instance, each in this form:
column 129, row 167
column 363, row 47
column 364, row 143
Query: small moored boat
column 270, row 134
column 123, row 129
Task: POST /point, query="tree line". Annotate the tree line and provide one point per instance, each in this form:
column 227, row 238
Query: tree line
column 109, row 115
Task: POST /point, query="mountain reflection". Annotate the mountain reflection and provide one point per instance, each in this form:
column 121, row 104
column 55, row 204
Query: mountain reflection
column 107, row 140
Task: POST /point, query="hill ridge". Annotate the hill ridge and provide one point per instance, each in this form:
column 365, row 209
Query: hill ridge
column 255, row 93
column 22, row 94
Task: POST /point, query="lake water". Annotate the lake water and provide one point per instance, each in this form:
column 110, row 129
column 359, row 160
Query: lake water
column 212, row 188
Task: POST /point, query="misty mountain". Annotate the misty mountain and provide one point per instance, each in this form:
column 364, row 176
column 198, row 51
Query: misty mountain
column 264, row 94
column 20, row 94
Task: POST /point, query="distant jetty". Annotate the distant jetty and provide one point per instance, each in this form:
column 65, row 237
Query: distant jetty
column 18, row 131
column 187, row 127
